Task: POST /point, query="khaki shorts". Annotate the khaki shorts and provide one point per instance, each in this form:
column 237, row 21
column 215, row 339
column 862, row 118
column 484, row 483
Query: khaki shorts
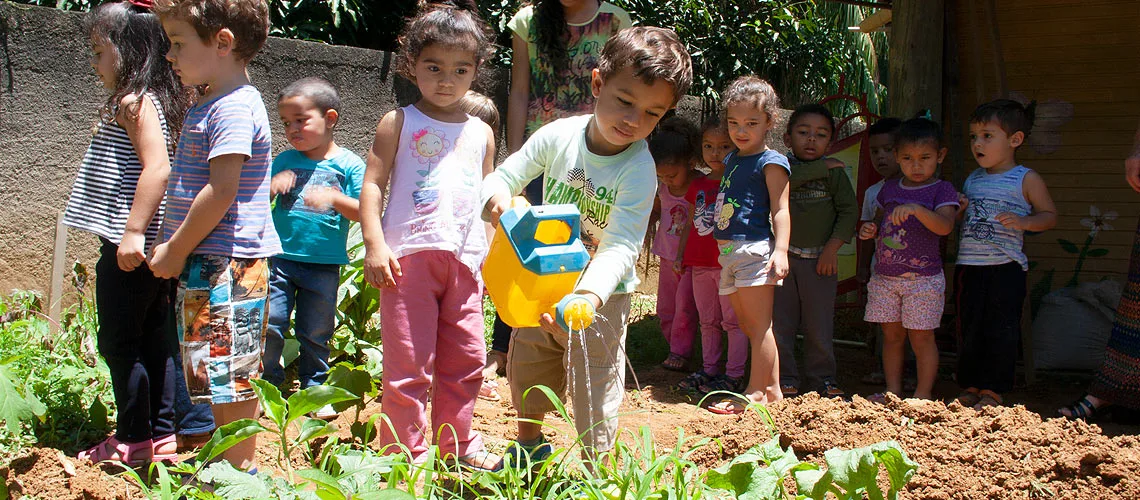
column 744, row 264
column 538, row 358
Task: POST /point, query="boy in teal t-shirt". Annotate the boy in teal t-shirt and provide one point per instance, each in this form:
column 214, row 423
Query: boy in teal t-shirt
column 316, row 186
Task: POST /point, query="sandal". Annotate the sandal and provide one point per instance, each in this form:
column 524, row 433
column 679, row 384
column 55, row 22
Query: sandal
column 986, row 401
column 476, row 462
column 789, row 391
column 1083, row 409
column 694, row 381
column 111, row 449
column 168, row 441
column 832, row 390
column 731, row 405
column 722, row 383
column 879, row 398
column 968, row 398
column 675, row 363
column 488, row 391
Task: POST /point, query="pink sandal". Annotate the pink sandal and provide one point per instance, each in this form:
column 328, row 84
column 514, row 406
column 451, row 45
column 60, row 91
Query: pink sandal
column 111, row 449
column 171, row 441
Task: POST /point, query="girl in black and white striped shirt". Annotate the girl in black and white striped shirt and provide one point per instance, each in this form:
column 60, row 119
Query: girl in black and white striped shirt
column 118, row 196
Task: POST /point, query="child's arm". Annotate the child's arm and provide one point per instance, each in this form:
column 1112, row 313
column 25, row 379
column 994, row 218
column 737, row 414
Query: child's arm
column 939, row 221
column 324, row 197
column 654, row 219
column 846, row 217
column 807, row 172
column 866, row 247
column 206, row 211
column 139, row 117
column 1044, row 216
column 677, row 266
column 381, row 268
column 778, row 191
column 514, row 174
column 520, row 93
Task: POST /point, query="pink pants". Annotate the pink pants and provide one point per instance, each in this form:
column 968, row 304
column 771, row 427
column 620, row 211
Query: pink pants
column 715, row 312
column 676, row 308
column 431, row 325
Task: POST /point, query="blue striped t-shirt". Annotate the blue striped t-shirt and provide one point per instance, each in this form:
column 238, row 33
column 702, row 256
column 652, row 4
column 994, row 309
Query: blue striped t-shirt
column 235, row 123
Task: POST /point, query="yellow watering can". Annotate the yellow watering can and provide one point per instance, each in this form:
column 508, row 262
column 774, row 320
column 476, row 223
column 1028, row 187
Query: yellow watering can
column 534, row 263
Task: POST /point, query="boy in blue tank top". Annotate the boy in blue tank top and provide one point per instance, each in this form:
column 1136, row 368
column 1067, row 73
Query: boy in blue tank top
column 317, row 186
column 1005, row 200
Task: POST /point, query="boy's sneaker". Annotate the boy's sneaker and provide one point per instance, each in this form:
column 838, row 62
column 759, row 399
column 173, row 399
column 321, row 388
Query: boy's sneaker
column 326, row 413
column 832, row 390
column 723, row 383
column 694, row 381
column 519, row 453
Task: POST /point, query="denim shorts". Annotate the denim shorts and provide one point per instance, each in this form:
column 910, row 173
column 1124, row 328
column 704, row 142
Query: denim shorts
column 744, row 264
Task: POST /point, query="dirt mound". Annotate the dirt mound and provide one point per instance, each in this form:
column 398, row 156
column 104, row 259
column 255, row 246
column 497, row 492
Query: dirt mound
column 47, row 473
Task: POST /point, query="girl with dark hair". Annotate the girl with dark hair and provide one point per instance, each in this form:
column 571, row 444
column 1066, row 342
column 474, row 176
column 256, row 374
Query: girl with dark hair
column 118, row 196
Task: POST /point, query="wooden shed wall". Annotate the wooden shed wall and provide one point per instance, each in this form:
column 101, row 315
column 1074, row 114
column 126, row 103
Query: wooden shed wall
column 1080, row 59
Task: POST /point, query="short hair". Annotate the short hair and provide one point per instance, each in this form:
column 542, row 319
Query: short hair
column 247, row 19
column 653, row 54
column 889, row 125
column 452, row 25
column 481, row 107
column 316, row 89
column 1010, row 115
column 812, row 109
column 754, row 90
column 918, row 131
column 676, row 140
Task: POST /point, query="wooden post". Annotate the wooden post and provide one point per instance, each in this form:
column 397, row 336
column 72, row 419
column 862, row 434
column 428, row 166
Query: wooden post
column 916, row 40
column 58, row 268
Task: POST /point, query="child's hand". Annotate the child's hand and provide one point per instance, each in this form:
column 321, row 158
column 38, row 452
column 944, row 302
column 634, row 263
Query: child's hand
column 282, row 183
column 863, row 275
column 381, row 267
column 777, row 266
column 550, row 325
column 1012, row 220
column 903, row 212
column 320, row 197
column 868, row 230
column 678, row 268
column 963, row 202
column 827, row 264
column 833, row 163
column 132, row 251
column 164, row 264
column 496, row 206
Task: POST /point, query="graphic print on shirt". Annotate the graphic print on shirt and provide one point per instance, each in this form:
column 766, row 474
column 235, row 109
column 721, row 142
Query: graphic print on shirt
column 978, row 219
column 725, row 207
column 307, row 182
column 594, row 202
column 677, row 220
column 703, row 215
column 558, row 94
column 429, row 146
column 892, row 246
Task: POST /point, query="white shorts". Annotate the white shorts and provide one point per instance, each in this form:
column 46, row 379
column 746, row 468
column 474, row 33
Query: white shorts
column 744, row 264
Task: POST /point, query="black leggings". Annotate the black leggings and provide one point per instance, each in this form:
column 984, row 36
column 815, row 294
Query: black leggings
column 133, row 311
column 990, row 300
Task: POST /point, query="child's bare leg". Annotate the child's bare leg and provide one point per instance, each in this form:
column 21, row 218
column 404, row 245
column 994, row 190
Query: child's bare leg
column 894, row 346
column 241, row 455
column 529, row 432
column 926, row 357
column 753, row 307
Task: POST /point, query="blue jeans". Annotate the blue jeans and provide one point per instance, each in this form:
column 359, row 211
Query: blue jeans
column 312, row 289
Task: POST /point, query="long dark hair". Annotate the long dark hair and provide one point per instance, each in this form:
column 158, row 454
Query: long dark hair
column 551, row 33
column 137, row 38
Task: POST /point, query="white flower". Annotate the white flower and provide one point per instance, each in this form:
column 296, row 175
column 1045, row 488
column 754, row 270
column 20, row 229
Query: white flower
column 1096, row 221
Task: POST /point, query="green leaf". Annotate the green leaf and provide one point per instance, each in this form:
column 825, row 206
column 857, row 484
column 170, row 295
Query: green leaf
column 314, row 428
column 13, row 408
column 811, row 482
column 353, row 379
column 231, row 483
column 290, row 352
column 309, row 400
column 853, row 470
column 323, row 481
column 385, row 494
column 1068, row 246
column 899, row 467
column 272, row 404
column 1097, row 252
column 97, row 413
column 373, row 361
column 227, row 436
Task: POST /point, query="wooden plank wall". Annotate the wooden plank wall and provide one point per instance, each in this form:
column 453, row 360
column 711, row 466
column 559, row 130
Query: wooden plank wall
column 1079, row 53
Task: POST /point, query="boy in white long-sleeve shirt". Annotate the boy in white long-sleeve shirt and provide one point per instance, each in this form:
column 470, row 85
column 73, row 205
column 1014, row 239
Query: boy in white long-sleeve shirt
column 601, row 163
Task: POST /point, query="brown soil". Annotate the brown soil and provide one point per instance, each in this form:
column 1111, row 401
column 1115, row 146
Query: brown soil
column 1008, row 452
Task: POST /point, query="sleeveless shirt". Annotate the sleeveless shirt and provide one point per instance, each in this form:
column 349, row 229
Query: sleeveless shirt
column 104, row 189
column 985, row 241
column 433, row 201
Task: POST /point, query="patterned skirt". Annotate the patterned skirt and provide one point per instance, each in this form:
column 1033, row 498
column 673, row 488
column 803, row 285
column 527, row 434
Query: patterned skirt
column 1118, row 380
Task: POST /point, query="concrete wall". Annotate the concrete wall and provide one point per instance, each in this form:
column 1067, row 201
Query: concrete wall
column 49, row 99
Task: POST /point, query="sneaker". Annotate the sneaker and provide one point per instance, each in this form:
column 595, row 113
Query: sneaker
column 723, row 383
column 832, row 390
column 519, row 453
column 326, row 413
column 694, row 381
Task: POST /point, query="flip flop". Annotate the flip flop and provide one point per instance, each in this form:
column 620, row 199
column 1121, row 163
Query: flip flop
column 468, row 462
column 1083, row 409
column 968, row 398
column 879, row 398
column 735, row 405
column 675, row 362
column 985, row 401
column 488, row 392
